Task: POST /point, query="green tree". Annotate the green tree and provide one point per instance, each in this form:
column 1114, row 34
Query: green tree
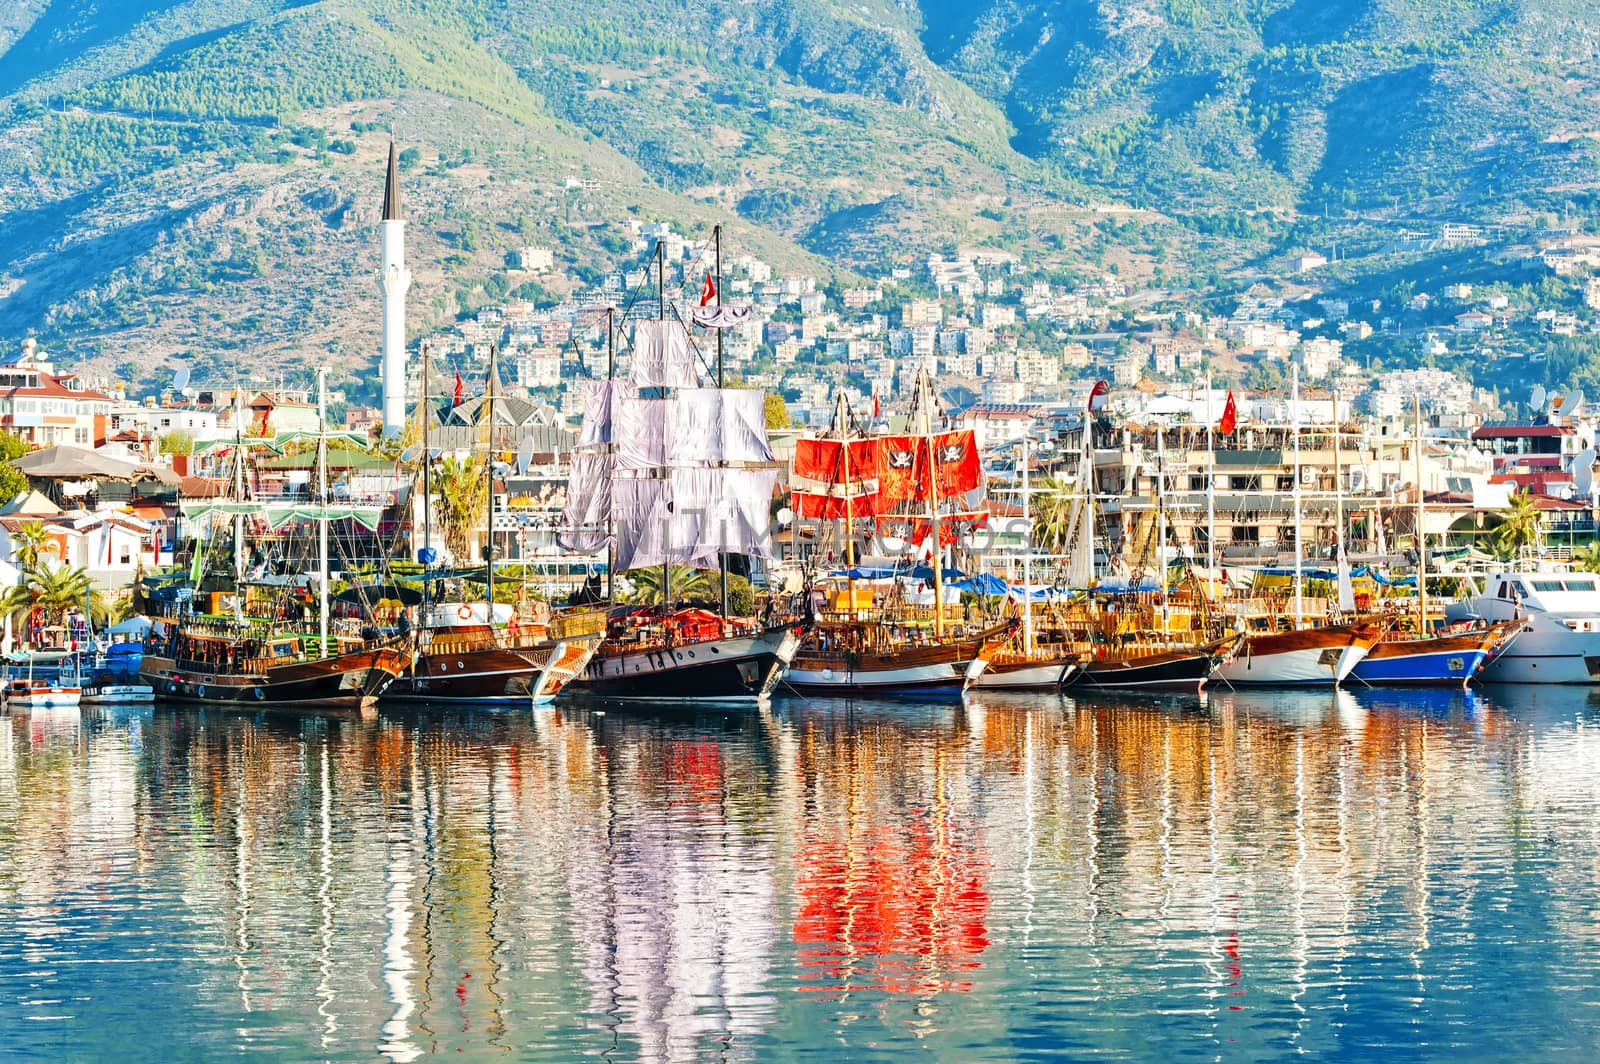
column 178, row 441
column 30, row 542
column 462, row 494
column 1518, row 531
column 12, row 481
column 1587, row 557
column 687, row 585
column 777, row 412
column 1052, row 504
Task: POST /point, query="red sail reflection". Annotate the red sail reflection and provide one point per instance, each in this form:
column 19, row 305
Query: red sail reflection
column 895, row 909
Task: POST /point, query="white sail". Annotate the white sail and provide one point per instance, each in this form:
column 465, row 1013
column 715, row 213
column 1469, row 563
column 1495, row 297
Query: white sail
column 719, row 511
column 596, row 429
column 708, row 426
column 584, row 526
column 663, row 356
column 640, row 432
column 641, row 508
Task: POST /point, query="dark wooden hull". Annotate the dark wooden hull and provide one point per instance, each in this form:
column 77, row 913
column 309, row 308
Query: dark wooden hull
column 1180, row 668
column 741, row 668
column 485, row 670
column 348, row 681
column 1038, row 673
column 913, row 669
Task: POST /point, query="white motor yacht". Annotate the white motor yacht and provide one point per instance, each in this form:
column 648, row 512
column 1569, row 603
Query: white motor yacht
column 1558, row 633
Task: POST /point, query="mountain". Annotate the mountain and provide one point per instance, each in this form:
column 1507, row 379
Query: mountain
column 199, row 179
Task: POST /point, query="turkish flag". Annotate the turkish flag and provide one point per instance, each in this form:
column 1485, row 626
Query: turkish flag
column 1230, row 416
column 708, row 291
column 456, row 395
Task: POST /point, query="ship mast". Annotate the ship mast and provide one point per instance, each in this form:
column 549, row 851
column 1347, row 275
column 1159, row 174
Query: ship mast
column 1422, row 543
column 842, row 416
column 488, row 475
column 611, row 528
column 322, row 518
column 661, row 315
column 716, row 292
column 1299, row 579
column 427, row 494
column 1027, row 553
column 925, row 398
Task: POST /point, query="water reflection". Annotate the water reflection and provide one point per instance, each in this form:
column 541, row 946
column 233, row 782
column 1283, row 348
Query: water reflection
column 1248, row 873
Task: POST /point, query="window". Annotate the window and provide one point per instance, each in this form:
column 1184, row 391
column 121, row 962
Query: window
column 1197, row 482
column 1577, row 585
column 1545, row 585
column 1246, row 535
column 1251, row 483
column 1286, row 483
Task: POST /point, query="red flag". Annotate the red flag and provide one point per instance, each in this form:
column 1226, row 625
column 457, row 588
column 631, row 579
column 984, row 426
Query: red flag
column 955, row 456
column 708, row 291
column 877, row 409
column 1098, row 396
column 456, row 395
column 901, row 468
column 1230, row 416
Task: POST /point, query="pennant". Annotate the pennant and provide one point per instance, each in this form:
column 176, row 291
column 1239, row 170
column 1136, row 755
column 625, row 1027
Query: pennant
column 455, row 398
column 1230, row 416
column 1098, row 396
column 708, row 291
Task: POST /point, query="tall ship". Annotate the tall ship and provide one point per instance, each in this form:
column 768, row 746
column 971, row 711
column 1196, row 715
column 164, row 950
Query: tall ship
column 487, row 653
column 669, row 474
column 917, row 488
column 251, row 662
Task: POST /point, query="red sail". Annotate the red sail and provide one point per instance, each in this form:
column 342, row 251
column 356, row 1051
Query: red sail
column 956, row 458
column 902, row 469
column 819, row 486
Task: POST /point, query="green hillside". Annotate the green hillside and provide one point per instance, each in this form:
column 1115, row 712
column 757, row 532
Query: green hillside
column 199, row 179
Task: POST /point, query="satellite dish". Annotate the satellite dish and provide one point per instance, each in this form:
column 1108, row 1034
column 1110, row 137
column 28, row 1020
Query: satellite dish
column 1583, row 479
column 525, row 454
column 180, row 379
column 1574, row 403
column 501, row 470
column 410, row 454
column 1537, row 399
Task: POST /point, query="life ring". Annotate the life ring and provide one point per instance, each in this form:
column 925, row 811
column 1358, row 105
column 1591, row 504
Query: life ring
column 464, row 612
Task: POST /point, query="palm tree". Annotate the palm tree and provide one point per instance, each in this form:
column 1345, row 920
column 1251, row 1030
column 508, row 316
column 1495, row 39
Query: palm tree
column 59, row 590
column 463, row 495
column 1052, row 504
column 29, row 542
column 688, row 585
column 1587, row 557
column 1519, row 527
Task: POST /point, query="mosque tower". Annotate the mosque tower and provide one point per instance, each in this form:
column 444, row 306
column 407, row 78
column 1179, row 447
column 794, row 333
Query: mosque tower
column 396, row 279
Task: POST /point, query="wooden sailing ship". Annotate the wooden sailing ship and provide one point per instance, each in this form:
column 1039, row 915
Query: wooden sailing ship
column 669, row 473
column 245, row 662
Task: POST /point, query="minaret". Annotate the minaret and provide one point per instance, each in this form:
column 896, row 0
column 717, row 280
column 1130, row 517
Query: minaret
column 396, row 279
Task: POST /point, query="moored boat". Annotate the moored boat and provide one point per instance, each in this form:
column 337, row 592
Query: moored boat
column 461, row 657
column 866, row 658
column 1450, row 659
column 21, row 693
column 1045, row 669
column 687, row 655
column 1157, row 667
column 1556, row 617
column 1313, row 656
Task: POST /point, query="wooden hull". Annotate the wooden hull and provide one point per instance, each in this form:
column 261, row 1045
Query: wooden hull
column 510, row 671
column 1029, row 674
column 1308, row 657
column 741, row 669
column 348, row 681
column 1175, row 669
column 1437, row 661
column 937, row 669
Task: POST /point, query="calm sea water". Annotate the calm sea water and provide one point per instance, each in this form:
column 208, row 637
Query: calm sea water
column 1361, row 875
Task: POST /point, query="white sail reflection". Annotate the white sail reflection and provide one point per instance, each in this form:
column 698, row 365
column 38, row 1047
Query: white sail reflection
column 398, row 963
column 325, row 936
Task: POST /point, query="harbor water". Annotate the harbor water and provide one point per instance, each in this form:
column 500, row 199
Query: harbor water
column 1361, row 875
